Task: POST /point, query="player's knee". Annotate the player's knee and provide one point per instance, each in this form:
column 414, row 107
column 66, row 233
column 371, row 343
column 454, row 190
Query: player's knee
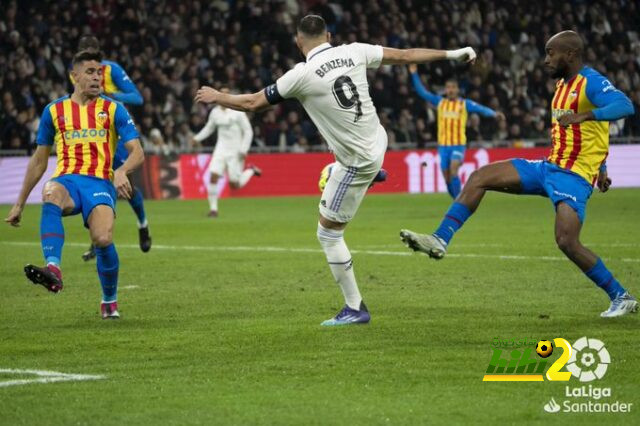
column 567, row 243
column 53, row 196
column 327, row 235
column 50, row 198
column 234, row 185
column 214, row 178
column 103, row 239
column 476, row 179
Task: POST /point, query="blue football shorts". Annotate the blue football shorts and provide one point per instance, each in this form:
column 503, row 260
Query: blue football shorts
column 559, row 185
column 87, row 192
column 450, row 153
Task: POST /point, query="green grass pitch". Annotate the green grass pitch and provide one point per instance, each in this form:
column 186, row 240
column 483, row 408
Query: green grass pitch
column 220, row 321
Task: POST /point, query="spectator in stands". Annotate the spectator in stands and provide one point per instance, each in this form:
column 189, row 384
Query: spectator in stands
column 171, row 48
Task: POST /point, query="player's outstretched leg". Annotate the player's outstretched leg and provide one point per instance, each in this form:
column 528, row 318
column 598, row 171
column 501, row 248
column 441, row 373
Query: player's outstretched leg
column 52, row 240
column 500, row 176
column 55, row 199
column 101, row 229
column 341, row 264
column 246, row 176
column 137, row 204
column 567, row 230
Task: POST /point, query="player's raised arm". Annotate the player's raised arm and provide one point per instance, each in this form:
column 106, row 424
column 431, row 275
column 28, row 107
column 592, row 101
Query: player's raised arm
column 485, row 111
column 207, row 130
column 422, row 91
column 248, row 102
column 419, row 56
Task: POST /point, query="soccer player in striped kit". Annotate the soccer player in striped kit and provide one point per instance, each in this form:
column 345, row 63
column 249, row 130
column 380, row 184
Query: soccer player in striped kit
column 86, row 127
column 582, row 107
column 452, row 122
column 117, row 85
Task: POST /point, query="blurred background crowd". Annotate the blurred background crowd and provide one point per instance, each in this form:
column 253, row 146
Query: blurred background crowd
column 171, row 48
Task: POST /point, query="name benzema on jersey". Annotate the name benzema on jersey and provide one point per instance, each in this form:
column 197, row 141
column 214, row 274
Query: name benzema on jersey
column 334, row 64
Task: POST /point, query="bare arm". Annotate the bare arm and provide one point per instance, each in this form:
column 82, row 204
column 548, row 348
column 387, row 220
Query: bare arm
column 250, row 102
column 135, row 160
column 418, row 56
column 36, row 168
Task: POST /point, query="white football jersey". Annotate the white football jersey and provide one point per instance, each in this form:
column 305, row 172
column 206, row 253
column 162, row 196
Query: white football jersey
column 234, row 131
column 332, row 87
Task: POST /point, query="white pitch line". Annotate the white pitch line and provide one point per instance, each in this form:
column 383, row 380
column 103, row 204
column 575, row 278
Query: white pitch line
column 45, row 376
column 501, row 245
column 312, row 250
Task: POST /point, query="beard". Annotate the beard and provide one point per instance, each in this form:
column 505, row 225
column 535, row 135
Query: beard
column 559, row 71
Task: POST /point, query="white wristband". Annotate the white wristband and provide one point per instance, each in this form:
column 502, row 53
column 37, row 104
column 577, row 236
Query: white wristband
column 461, row 53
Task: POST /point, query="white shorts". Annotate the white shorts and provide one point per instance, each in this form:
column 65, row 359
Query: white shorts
column 345, row 190
column 232, row 164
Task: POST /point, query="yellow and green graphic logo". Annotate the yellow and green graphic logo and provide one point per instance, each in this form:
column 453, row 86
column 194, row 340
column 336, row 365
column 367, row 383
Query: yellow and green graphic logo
column 521, row 364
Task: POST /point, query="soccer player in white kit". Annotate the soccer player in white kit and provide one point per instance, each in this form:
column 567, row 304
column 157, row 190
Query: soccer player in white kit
column 233, row 143
column 332, row 87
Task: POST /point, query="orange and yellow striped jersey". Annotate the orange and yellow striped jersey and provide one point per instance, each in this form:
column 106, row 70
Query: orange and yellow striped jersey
column 452, row 113
column 108, row 85
column 86, row 136
column 452, row 122
column 582, row 148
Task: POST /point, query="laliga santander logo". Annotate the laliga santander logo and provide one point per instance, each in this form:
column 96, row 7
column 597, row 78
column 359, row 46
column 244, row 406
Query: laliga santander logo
column 589, row 360
column 586, row 360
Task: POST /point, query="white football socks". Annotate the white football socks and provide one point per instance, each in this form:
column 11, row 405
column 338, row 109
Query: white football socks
column 245, row 177
column 213, row 196
column 341, row 265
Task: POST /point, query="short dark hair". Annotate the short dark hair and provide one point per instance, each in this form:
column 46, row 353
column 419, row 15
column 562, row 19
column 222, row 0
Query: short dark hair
column 88, row 42
column 86, row 55
column 312, row 26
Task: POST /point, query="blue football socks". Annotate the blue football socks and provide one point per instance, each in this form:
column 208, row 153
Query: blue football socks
column 604, row 279
column 137, row 203
column 449, row 190
column 453, row 220
column 108, row 265
column 51, row 233
column 455, row 186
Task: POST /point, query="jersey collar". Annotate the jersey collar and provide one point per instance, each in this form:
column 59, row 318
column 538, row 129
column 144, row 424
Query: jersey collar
column 568, row 82
column 313, row 52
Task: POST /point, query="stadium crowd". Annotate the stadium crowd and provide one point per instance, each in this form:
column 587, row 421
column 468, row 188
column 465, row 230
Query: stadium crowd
column 171, row 48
